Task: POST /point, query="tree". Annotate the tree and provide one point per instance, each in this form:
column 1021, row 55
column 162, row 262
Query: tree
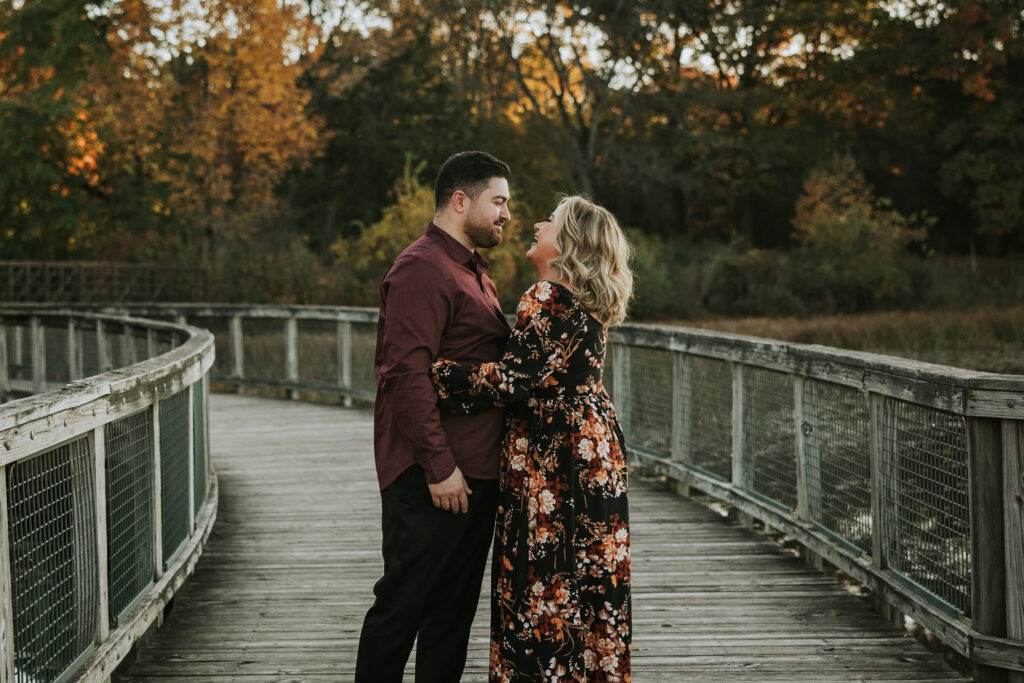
column 235, row 121
column 49, row 186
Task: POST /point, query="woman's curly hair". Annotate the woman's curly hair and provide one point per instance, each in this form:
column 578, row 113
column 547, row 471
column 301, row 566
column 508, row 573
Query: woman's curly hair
column 593, row 258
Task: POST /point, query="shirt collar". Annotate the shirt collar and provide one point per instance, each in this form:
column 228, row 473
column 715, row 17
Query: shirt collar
column 456, row 250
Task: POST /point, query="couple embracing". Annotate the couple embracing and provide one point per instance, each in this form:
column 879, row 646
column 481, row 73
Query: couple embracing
column 475, row 421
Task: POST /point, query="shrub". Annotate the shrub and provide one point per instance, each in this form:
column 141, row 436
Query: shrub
column 855, row 245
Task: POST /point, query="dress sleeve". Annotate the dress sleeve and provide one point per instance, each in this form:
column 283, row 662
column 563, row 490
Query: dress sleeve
column 537, row 349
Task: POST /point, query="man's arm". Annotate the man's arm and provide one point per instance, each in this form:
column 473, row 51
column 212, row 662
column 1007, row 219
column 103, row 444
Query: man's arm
column 418, row 306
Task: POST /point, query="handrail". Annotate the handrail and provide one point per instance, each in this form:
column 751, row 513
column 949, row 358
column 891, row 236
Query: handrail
column 904, row 475
column 907, row 476
column 106, row 492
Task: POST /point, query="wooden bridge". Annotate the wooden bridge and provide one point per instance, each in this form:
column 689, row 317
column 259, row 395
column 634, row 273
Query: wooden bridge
column 282, row 587
column 904, row 476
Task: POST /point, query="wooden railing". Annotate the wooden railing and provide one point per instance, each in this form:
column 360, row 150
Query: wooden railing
column 906, row 476
column 106, row 492
column 88, row 282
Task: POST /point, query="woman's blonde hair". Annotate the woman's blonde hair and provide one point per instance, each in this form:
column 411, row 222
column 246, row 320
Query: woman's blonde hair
column 593, row 258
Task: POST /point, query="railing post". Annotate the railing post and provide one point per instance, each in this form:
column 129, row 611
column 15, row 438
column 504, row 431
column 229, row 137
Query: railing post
column 345, row 360
column 620, row 384
column 1013, row 532
column 6, row 592
column 680, row 442
column 158, row 527
column 5, row 376
column 739, row 475
column 17, row 357
column 37, row 340
column 102, row 351
column 150, row 343
column 99, row 449
column 192, row 456
column 988, row 559
column 74, row 353
column 879, row 480
column 131, row 353
column 803, row 507
column 237, row 351
column 291, row 354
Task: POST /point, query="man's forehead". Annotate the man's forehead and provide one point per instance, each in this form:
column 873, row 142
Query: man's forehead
column 497, row 187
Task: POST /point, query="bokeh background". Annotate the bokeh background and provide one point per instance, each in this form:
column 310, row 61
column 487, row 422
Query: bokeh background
column 847, row 172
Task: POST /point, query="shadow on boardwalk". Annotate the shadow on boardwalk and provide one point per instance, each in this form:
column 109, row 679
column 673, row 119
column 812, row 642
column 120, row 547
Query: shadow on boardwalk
column 280, row 592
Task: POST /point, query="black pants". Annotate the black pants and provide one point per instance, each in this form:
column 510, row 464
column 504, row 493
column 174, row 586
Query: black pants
column 433, row 567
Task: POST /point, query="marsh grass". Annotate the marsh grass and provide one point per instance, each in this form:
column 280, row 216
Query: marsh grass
column 987, row 339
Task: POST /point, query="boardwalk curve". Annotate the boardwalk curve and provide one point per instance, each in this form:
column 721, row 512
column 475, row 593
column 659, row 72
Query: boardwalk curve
column 280, row 591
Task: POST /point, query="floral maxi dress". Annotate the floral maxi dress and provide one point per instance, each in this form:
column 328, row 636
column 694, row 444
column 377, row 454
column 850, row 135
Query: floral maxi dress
column 561, row 566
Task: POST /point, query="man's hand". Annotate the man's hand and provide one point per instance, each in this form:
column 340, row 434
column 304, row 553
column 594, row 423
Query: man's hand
column 452, row 494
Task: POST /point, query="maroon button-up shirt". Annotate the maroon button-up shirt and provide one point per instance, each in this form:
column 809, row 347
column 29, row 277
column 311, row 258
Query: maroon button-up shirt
column 435, row 301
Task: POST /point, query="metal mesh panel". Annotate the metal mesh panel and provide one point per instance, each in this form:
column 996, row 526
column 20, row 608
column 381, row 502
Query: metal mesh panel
column 926, row 516
column 129, row 470
column 116, row 345
column 364, row 341
column 769, row 439
column 650, row 398
column 220, row 328
column 165, row 341
column 56, row 338
column 837, row 449
column 708, row 401
column 53, row 560
column 140, row 340
column 174, row 481
column 19, row 354
column 317, row 347
column 90, row 350
column 263, row 346
column 199, row 453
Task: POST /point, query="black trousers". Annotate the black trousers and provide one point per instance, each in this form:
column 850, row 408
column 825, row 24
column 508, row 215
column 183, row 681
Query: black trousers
column 433, row 566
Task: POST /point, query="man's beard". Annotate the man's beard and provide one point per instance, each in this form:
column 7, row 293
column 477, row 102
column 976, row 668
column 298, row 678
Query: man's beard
column 483, row 236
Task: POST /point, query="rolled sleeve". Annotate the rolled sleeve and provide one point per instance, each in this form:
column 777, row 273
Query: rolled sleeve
column 418, row 306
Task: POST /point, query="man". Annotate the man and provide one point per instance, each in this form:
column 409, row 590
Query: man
column 437, row 472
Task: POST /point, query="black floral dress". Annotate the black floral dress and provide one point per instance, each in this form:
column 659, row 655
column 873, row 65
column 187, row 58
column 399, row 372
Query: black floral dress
column 561, row 568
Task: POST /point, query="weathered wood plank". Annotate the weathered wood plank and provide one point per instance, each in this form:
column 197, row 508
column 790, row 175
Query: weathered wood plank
column 286, row 577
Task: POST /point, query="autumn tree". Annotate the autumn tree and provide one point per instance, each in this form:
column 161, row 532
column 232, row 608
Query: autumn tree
column 235, row 119
column 49, row 186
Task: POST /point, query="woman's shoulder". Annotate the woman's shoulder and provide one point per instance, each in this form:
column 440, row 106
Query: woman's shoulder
column 547, row 290
column 546, row 297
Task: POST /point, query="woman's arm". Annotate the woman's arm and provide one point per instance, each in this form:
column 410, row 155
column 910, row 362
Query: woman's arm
column 535, row 351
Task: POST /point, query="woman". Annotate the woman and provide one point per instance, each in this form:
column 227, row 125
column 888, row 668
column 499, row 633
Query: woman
column 561, row 569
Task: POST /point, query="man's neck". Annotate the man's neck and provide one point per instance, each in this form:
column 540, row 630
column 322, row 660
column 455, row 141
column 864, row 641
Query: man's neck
column 446, row 224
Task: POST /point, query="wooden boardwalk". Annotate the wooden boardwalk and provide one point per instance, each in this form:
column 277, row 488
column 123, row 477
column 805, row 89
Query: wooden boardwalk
column 281, row 589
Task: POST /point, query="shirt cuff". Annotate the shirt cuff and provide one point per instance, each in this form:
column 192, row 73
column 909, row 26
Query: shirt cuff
column 438, row 469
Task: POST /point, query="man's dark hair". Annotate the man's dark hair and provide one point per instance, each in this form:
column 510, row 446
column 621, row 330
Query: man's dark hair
column 469, row 172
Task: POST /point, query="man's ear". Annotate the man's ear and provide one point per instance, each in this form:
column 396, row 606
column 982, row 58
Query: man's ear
column 459, row 201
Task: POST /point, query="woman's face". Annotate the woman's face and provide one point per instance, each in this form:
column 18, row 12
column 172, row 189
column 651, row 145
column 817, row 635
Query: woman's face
column 544, row 250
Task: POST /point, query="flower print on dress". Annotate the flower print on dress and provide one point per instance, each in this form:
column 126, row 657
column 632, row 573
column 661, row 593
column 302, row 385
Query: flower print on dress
column 561, row 572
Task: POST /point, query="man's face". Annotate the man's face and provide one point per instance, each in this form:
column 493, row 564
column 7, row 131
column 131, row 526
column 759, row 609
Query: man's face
column 487, row 214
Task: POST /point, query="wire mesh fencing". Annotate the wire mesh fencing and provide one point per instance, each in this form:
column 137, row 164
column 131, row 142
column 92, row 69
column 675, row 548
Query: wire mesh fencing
column 52, row 537
column 129, row 472
column 769, row 438
column 707, row 393
column 650, row 398
column 200, row 462
column 837, row 450
column 926, row 513
column 174, row 479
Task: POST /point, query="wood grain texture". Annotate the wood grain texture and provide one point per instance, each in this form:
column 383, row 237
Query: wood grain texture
column 280, row 591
